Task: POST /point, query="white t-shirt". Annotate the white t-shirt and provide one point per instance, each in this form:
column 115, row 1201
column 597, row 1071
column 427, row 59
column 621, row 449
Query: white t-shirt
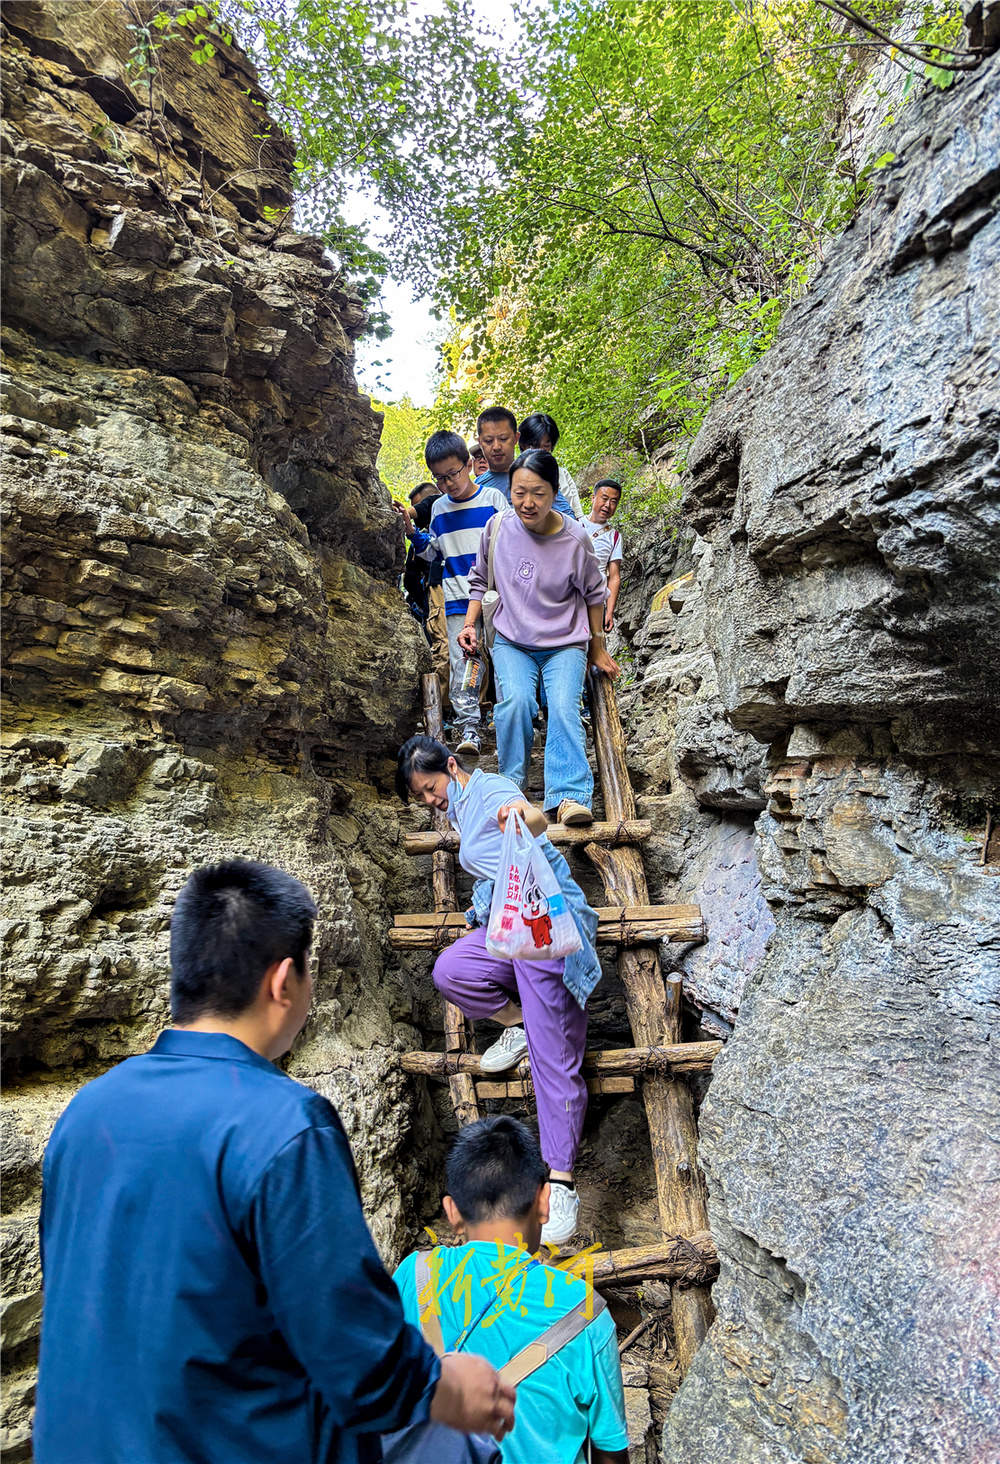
column 568, row 489
column 607, row 543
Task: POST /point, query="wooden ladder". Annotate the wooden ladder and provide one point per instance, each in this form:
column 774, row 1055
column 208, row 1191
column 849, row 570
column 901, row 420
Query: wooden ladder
column 659, row 1060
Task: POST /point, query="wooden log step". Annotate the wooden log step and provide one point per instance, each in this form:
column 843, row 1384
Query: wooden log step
column 682, row 1057
column 525, row 1088
column 690, row 1258
column 629, row 831
column 616, row 925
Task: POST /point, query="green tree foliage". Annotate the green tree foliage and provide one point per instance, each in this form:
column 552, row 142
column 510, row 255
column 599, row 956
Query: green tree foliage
column 405, row 429
column 613, row 203
column 397, row 98
column 683, row 170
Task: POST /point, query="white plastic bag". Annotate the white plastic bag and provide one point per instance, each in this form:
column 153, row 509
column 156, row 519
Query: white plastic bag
column 529, row 917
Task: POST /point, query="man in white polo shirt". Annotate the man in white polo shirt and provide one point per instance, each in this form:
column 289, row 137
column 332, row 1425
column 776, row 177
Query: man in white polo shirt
column 607, row 541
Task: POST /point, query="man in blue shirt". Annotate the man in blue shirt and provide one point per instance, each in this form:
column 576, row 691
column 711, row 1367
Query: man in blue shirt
column 212, row 1292
column 500, row 439
column 492, row 1296
column 496, row 429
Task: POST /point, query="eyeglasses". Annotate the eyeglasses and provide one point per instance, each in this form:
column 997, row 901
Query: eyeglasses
column 445, row 480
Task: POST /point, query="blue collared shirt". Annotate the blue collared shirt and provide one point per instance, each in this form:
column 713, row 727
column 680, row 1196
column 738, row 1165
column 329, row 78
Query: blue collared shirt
column 212, row 1292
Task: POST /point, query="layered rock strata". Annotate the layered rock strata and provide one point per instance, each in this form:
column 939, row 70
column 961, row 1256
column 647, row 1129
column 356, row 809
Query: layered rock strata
column 205, row 651
column 845, row 503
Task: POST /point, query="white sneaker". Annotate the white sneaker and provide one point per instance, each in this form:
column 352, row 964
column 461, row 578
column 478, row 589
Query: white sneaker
column 564, row 1212
column 505, row 1052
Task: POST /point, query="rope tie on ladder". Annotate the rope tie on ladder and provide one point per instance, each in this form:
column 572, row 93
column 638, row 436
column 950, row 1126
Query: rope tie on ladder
column 697, row 1272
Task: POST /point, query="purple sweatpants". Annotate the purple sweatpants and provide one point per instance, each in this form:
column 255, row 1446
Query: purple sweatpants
column 479, row 984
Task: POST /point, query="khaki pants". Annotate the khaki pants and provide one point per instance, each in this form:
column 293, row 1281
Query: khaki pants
column 437, row 634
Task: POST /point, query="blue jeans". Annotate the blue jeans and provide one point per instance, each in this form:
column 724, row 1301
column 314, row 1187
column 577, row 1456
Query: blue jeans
column 519, row 673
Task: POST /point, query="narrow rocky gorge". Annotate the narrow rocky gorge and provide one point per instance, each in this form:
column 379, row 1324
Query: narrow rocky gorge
column 814, row 722
column 205, row 651
column 206, row 655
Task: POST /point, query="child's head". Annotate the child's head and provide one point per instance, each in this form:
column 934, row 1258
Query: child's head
column 496, row 429
column 448, row 463
column 538, row 430
column 607, row 496
column 495, row 1173
column 420, row 492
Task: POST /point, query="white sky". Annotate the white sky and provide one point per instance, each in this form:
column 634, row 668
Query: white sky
column 409, row 357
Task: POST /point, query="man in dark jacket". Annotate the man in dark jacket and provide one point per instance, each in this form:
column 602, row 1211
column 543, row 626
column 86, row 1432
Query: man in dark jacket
column 212, row 1291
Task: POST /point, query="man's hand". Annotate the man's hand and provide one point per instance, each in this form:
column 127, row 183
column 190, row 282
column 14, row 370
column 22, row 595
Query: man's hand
column 601, row 661
column 609, row 621
column 468, row 639
column 470, row 1396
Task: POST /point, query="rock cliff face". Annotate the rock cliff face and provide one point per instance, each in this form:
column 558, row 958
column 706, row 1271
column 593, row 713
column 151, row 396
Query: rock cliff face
column 206, row 654
column 826, row 682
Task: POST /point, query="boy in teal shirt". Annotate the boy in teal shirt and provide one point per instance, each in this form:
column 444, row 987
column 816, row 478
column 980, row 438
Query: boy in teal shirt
column 493, row 1297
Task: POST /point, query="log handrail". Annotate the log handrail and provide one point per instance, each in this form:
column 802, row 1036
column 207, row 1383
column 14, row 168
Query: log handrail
column 460, row 1085
column 654, row 1014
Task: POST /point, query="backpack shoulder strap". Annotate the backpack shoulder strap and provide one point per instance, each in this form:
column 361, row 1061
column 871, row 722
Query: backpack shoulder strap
column 430, row 1322
column 553, row 1339
column 494, row 533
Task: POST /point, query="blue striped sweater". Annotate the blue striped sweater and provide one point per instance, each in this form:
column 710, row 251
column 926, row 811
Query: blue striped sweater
column 453, row 536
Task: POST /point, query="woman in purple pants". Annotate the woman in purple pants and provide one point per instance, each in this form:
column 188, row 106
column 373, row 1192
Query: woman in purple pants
column 539, row 1004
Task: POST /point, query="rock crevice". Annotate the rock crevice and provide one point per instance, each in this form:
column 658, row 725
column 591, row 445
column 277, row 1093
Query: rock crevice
column 827, row 662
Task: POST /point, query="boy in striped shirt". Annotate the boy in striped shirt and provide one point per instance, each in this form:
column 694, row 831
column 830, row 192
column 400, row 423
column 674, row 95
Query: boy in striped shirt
column 457, row 522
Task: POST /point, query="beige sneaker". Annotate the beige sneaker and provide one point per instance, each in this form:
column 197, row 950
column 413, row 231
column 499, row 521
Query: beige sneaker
column 571, row 813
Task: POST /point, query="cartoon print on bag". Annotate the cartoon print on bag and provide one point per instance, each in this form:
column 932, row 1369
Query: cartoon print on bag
column 535, row 914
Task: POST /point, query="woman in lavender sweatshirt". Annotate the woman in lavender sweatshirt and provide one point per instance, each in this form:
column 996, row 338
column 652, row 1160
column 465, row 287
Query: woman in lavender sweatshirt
column 549, row 628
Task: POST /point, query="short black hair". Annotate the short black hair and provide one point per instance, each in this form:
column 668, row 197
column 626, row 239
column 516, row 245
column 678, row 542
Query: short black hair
column 608, row 483
column 495, row 1169
column 497, row 414
column 537, row 426
column 537, row 460
column 441, row 445
column 422, row 754
column 422, row 488
column 231, row 922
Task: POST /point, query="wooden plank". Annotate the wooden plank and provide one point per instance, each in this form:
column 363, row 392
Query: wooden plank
column 654, row 1016
column 525, row 1088
column 685, row 1057
column 432, row 934
column 634, row 831
column 443, row 864
column 606, row 915
column 461, row 1087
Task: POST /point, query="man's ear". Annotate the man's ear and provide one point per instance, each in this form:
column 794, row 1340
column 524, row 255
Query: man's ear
column 454, row 1215
column 542, row 1202
column 279, row 980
